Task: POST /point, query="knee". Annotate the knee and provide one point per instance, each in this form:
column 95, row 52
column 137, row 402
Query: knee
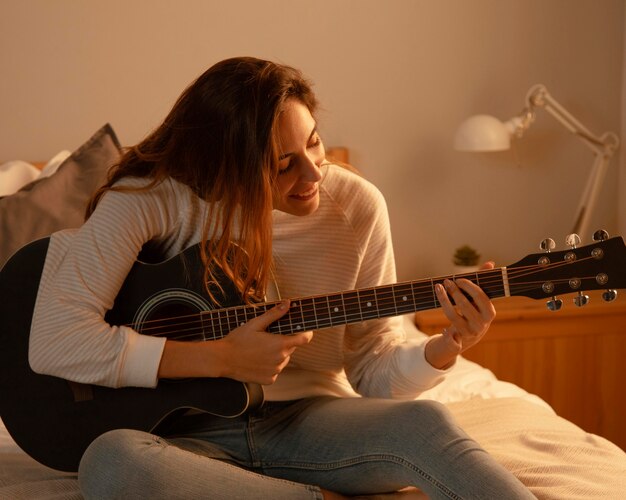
column 110, row 461
column 426, row 421
column 424, row 411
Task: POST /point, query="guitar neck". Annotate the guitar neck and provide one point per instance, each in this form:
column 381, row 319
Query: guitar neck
column 353, row 306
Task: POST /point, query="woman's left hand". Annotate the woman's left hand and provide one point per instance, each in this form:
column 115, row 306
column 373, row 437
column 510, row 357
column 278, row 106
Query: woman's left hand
column 470, row 317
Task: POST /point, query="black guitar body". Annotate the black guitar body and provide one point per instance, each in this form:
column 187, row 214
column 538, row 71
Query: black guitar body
column 66, row 417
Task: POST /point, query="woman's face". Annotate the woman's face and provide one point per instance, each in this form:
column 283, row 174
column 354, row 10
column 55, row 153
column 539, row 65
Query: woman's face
column 301, row 155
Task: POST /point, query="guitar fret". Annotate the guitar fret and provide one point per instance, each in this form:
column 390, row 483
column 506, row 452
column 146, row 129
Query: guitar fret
column 238, row 322
column 214, row 326
column 436, row 302
column 358, row 300
column 227, row 318
column 239, row 315
column 219, row 333
column 376, row 309
column 314, row 309
column 302, row 316
column 343, row 305
column 393, row 296
column 322, row 312
column 287, row 318
column 330, row 318
column 350, row 302
column 203, row 327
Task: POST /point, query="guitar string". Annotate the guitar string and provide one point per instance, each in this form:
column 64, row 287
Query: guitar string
column 260, row 308
column 384, row 307
column 310, row 321
column 387, row 305
column 229, row 317
column 286, row 324
column 360, row 294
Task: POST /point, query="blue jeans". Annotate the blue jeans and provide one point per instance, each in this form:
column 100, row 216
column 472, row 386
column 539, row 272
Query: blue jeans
column 289, row 450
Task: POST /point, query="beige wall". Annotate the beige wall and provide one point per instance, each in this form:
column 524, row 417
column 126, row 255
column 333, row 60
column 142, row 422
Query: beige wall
column 395, row 77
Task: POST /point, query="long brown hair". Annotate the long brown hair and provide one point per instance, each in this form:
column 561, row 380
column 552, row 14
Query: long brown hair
column 220, row 139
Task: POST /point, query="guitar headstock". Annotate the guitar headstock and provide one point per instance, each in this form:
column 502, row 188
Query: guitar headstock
column 597, row 266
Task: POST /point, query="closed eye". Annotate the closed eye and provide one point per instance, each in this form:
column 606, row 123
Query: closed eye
column 317, row 141
column 287, row 168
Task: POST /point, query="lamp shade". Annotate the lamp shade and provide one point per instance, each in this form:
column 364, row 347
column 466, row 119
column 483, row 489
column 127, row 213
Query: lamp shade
column 482, row 133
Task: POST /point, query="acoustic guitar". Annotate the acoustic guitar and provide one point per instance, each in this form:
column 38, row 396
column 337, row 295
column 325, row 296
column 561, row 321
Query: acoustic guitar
column 54, row 420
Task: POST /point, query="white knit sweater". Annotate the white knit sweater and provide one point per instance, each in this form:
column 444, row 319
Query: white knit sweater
column 345, row 244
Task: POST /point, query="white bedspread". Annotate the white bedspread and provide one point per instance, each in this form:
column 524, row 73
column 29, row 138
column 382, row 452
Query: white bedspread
column 550, row 455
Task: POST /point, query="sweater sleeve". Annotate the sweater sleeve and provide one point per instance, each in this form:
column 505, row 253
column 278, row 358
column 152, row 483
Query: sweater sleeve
column 379, row 360
column 83, row 273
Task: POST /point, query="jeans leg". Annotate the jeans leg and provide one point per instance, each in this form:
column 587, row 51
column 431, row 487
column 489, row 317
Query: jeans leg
column 125, row 464
column 352, row 446
column 365, row 446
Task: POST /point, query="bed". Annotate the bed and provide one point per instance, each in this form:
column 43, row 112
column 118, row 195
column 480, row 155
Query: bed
column 552, row 456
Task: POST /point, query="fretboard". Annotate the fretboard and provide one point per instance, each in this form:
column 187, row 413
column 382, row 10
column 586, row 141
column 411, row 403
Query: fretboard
column 352, row 306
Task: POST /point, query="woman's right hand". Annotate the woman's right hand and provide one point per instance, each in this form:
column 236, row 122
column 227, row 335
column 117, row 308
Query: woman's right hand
column 254, row 355
column 247, row 354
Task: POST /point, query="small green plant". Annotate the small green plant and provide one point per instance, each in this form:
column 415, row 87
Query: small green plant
column 466, row 256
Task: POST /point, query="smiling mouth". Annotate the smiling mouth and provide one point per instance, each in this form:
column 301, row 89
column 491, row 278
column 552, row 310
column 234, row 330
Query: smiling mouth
column 307, row 195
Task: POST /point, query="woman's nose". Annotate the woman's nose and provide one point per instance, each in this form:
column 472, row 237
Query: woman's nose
column 311, row 168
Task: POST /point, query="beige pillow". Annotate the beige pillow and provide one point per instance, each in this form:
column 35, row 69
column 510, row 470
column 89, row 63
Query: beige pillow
column 58, row 201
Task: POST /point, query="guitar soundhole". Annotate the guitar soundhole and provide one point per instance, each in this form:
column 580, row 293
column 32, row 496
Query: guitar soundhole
column 174, row 314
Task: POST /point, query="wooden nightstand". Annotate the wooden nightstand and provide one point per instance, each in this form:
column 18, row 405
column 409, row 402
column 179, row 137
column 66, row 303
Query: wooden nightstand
column 575, row 359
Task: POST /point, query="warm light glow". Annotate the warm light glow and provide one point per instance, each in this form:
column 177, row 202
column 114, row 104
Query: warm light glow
column 482, row 133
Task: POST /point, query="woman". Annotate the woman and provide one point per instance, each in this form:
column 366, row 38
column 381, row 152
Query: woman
column 239, row 161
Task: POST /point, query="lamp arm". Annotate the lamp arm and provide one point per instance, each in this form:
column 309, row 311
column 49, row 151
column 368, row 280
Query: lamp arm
column 538, row 96
column 587, row 203
column 603, row 147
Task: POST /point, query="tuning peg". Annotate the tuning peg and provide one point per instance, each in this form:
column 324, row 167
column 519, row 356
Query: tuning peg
column 573, row 240
column 609, row 295
column 547, row 245
column 554, row 304
column 600, row 235
column 581, row 299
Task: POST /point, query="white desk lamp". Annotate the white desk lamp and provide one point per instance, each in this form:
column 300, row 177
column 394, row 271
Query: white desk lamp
column 486, row 133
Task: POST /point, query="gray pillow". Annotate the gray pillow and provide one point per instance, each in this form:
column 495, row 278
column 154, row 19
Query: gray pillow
column 59, row 201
